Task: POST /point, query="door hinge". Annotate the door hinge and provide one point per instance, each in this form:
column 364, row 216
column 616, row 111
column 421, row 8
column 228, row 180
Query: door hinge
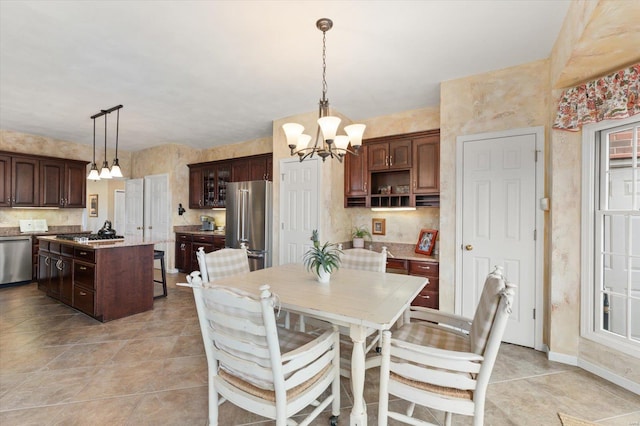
column 535, row 234
column 534, row 313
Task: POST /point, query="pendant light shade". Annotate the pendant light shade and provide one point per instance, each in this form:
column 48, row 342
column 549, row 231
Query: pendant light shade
column 93, row 173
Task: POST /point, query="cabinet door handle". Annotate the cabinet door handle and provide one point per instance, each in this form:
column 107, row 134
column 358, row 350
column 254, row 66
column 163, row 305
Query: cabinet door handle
column 415, row 184
column 424, row 267
column 365, row 188
column 82, row 293
column 391, row 160
column 83, row 268
column 424, row 297
column 83, row 253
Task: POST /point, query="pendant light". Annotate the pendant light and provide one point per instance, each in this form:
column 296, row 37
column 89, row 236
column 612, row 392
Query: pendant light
column 326, row 144
column 105, row 173
column 93, row 173
column 115, row 168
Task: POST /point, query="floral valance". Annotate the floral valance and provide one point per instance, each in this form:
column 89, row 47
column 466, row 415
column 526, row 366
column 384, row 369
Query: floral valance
column 614, row 96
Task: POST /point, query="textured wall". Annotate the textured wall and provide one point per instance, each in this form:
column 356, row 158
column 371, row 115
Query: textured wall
column 505, row 99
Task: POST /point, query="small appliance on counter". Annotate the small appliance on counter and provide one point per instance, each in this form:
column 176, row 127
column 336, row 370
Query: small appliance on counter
column 208, row 223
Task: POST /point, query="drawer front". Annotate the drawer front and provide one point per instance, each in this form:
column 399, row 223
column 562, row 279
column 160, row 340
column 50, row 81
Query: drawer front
column 396, row 263
column 203, row 239
column 183, row 237
column 87, row 255
column 218, row 242
column 425, row 269
column 83, row 273
column 66, row 250
column 427, row 299
column 54, row 247
column 84, row 300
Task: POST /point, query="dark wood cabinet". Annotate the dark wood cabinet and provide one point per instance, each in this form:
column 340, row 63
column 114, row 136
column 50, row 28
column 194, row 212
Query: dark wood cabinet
column 187, row 245
column 426, row 165
column 356, row 178
column 106, row 283
column 396, row 171
column 208, row 181
column 208, row 184
column 36, row 181
column 5, row 185
column 25, row 182
column 389, row 155
column 429, row 296
column 52, row 183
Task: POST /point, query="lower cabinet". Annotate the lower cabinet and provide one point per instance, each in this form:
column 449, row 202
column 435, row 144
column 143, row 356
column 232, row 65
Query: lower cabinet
column 429, row 296
column 105, row 283
column 187, row 245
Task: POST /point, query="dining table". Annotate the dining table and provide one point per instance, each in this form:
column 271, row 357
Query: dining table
column 362, row 301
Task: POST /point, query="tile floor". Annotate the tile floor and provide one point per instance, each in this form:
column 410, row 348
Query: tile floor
column 60, row 367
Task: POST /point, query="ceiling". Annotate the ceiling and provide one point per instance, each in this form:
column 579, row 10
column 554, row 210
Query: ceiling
column 207, row 73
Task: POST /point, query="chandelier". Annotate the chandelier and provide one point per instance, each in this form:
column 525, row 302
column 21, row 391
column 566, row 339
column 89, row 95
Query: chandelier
column 105, row 173
column 329, row 144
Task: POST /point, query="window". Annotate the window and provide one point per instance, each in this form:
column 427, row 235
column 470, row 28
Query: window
column 611, row 232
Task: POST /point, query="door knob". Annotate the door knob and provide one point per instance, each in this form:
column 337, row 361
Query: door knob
column 468, row 247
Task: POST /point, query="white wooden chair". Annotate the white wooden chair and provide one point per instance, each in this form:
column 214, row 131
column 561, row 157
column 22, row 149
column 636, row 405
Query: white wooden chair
column 262, row 368
column 444, row 361
column 222, row 263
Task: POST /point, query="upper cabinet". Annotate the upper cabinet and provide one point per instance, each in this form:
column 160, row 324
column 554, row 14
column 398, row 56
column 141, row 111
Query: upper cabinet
column 395, row 171
column 389, row 155
column 208, row 181
column 208, row 184
column 34, row 181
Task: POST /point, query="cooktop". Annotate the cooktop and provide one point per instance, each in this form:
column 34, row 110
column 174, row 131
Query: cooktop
column 90, row 237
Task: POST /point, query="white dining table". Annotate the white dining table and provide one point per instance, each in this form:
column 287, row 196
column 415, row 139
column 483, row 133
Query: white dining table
column 359, row 300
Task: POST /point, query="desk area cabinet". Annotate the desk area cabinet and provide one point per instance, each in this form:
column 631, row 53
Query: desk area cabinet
column 429, row 296
column 395, row 171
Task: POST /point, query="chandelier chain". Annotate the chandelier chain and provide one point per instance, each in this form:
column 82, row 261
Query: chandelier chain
column 324, row 66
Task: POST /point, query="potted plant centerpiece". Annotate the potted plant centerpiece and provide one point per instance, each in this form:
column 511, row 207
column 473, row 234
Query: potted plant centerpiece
column 322, row 260
column 358, row 234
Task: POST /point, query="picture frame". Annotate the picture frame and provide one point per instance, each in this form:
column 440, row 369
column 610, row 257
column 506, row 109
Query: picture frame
column 93, row 205
column 378, row 226
column 426, row 241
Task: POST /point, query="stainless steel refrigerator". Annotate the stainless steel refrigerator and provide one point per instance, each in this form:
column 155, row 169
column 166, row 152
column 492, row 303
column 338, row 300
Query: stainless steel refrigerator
column 249, row 217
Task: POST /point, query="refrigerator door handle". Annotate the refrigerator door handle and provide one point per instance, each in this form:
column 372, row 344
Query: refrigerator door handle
column 244, row 212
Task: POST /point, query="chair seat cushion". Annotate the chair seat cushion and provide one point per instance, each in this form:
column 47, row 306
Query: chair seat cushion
column 267, row 394
column 440, row 390
column 432, row 335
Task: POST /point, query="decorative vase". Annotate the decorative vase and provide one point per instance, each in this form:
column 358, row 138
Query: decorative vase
column 358, row 243
column 323, row 276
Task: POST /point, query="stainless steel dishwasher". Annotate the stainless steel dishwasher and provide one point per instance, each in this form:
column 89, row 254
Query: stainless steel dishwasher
column 15, row 259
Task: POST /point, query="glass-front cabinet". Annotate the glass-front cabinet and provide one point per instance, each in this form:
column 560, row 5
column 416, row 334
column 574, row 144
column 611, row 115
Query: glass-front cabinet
column 208, row 185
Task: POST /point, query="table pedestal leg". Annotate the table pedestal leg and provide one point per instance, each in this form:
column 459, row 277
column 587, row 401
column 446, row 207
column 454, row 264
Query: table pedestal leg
column 359, row 409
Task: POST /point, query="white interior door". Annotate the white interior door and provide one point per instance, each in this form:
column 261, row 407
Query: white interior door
column 134, row 208
column 156, row 211
column 119, row 212
column 299, row 203
column 498, row 224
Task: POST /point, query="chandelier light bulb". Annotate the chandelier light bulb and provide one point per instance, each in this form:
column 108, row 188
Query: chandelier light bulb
column 355, row 132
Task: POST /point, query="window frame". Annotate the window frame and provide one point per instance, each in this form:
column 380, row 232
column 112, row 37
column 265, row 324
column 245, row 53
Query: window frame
column 591, row 175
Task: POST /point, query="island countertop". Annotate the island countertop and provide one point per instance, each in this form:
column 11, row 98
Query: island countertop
column 101, row 244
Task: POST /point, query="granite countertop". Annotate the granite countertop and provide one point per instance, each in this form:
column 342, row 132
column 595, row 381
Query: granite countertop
column 102, row 244
column 199, row 232
column 397, row 250
column 12, row 231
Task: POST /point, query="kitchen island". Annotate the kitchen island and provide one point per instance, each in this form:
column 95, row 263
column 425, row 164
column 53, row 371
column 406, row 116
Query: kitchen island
column 104, row 279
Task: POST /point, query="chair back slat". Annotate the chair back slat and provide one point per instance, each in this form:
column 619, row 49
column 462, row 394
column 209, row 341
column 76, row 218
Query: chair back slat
column 443, row 362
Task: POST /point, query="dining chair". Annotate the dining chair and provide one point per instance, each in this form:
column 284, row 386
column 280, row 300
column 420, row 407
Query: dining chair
column 444, row 361
column 222, row 263
column 262, row 368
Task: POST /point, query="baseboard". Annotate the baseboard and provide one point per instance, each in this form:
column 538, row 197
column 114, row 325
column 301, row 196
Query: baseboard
column 609, row 376
column 562, row 358
column 172, row 271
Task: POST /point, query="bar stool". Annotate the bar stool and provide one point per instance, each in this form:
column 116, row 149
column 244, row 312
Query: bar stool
column 159, row 254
